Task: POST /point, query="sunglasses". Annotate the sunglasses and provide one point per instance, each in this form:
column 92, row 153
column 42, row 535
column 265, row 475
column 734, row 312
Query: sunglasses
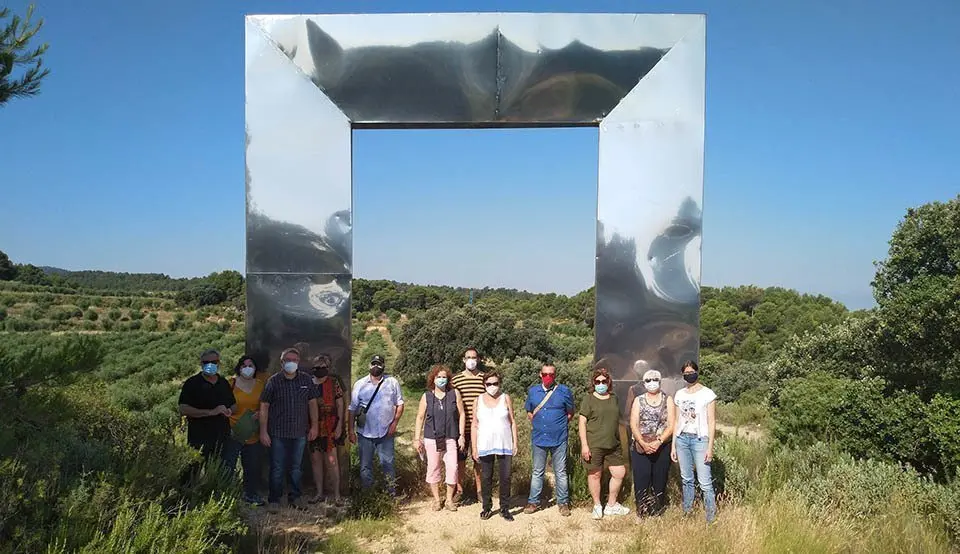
column 654, row 380
column 316, row 367
column 492, row 384
column 600, row 381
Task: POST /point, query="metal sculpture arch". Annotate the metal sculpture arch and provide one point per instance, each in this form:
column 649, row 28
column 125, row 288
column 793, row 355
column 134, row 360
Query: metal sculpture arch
column 311, row 79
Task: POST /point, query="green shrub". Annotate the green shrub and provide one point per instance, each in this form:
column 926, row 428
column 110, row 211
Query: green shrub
column 90, row 315
column 114, row 314
column 3, row 314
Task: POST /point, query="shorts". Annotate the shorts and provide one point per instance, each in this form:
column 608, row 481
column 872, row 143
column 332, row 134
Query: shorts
column 322, row 444
column 604, row 457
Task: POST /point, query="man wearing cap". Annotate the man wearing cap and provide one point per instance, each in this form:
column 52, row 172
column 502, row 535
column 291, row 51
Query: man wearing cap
column 288, row 420
column 376, row 405
column 207, row 402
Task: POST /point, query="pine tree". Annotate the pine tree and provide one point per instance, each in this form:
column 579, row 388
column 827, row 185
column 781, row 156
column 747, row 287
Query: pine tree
column 14, row 51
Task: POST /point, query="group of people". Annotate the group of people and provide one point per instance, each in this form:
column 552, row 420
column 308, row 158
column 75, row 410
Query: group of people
column 461, row 416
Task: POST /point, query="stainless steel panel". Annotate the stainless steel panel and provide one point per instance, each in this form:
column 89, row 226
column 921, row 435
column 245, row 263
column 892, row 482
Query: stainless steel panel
column 298, row 169
column 649, row 213
column 475, row 69
column 310, row 312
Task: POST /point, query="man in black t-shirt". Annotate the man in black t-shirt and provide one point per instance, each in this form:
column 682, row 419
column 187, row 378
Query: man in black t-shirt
column 207, row 401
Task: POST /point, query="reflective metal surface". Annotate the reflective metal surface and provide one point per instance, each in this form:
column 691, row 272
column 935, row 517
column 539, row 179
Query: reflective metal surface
column 475, row 69
column 298, row 169
column 310, row 79
column 649, row 221
column 311, row 312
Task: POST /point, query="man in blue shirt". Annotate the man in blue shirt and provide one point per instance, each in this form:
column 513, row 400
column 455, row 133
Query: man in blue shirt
column 378, row 401
column 549, row 407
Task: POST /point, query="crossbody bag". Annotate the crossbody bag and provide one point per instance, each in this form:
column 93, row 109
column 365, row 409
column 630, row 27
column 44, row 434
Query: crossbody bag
column 361, row 418
column 544, row 401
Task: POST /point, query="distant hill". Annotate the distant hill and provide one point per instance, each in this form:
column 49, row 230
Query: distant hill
column 120, row 281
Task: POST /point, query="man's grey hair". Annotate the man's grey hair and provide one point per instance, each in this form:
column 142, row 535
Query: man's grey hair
column 289, row 351
column 208, row 353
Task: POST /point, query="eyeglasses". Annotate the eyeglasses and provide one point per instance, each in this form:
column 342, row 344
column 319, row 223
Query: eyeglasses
column 654, row 380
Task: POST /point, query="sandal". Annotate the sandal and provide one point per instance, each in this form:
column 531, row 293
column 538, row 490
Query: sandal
column 437, row 506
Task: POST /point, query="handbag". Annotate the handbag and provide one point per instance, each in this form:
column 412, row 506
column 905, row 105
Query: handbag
column 360, row 419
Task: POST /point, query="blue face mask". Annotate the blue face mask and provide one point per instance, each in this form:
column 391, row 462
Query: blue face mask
column 210, row 368
column 601, row 388
column 440, row 382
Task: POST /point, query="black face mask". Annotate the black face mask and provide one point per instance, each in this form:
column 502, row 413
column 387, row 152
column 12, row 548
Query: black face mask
column 691, row 377
column 376, row 370
column 321, row 372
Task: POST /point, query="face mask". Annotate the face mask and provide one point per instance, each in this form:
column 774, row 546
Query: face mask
column 321, row 372
column 652, row 386
column 376, row 370
column 601, row 388
column 691, row 377
column 210, row 368
column 247, row 371
column 290, row 367
column 493, row 390
column 548, row 380
column 440, row 382
column 471, row 365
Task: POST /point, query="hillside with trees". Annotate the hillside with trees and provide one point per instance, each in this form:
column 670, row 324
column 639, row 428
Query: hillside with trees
column 859, row 412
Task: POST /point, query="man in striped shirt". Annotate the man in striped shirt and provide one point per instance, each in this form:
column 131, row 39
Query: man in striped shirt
column 470, row 385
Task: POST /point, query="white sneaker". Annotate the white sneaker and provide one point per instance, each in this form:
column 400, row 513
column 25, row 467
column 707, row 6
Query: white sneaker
column 598, row 512
column 615, row 510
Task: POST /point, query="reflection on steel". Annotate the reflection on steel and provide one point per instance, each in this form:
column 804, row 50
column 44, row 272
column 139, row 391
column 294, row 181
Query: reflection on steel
column 311, row 79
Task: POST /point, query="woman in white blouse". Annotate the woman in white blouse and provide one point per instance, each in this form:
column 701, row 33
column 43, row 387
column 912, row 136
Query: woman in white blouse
column 494, row 439
column 693, row 443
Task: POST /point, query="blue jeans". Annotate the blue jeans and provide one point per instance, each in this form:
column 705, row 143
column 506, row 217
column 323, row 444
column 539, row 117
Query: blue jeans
column 559, row 455
column 286, row 455
column 383, row 447
column 250, row 456
column 692, row 452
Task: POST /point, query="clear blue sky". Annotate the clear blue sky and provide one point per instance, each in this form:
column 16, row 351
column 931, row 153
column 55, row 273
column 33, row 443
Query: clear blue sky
column 824, row 123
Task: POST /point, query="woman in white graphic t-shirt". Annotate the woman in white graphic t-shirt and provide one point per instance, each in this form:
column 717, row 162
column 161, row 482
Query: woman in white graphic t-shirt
column 693, row 446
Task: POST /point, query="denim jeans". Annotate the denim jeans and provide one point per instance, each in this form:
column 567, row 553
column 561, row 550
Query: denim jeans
column 383, row 447
column 692, row 452
column 286, row 455
column 559, row 455
column 251, row 456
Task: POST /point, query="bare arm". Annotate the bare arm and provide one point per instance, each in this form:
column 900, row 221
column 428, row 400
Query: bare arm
column 264, row 414
column 473, row 427
column 339, row 428
column 711, row 424
column 314, row 416
column 584, row 447
column 635, row 421
column 460, row 410
column 671, row 419
column 513, row 423
column 421, row 415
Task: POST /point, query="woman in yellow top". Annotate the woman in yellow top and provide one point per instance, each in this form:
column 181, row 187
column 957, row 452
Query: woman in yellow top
column 244, row 442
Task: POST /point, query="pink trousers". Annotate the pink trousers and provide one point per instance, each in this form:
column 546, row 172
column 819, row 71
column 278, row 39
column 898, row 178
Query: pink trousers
column 433, row 461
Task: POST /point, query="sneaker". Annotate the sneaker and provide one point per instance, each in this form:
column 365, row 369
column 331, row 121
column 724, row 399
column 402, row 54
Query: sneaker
column 564, row 510
column 486, row 514
column 316, row 499
column 617, row 509
column 273, row 507
column 597, row 512
column 505, row 514
column 254, row 500
column 437, row 506
column 450, row 506
column 530, row 509
column 296, row 504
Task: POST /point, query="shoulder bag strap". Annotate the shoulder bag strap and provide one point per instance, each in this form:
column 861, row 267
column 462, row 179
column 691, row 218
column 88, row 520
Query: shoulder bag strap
column 544, row 401
column 380, row 384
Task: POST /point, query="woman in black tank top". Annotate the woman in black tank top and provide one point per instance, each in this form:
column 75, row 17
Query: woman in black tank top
column 438, row 433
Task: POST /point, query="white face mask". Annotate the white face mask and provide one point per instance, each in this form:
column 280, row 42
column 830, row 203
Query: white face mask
column 471, row 365
column 492, row 391
column 652, row 386
column 290, row 367
column 247, row 371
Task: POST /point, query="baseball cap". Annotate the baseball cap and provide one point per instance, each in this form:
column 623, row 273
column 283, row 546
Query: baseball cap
column 377, row 360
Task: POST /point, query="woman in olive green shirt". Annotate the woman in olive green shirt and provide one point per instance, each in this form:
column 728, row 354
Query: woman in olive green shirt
column 600, row 443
